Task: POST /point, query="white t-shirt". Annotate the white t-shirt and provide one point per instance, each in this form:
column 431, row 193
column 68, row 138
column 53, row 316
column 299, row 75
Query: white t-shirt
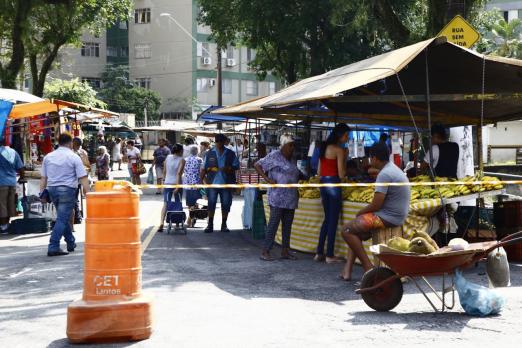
column 172, row 163
column 133, row 155
column 435, row 150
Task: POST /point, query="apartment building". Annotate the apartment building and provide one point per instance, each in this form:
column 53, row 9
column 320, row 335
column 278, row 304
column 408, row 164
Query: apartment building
column 510, row 9
column 169, row 52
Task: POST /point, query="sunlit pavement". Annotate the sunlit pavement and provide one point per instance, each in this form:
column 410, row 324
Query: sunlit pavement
column 212, row 290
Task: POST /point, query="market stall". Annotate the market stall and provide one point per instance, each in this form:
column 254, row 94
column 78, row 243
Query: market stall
column 414, row 86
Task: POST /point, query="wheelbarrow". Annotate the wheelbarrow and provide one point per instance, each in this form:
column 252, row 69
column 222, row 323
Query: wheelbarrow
column 382, row 287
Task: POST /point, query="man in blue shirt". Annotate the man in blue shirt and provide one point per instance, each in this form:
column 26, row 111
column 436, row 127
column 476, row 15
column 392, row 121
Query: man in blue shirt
column 10, row 164
column 61, row 171
column 219, row 168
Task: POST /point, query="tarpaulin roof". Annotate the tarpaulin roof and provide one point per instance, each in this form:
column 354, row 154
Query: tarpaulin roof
column 209, row 116
column 369, row 91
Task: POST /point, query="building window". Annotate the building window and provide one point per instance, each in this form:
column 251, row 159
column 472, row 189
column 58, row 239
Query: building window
column 205, row 49
column 230, row 52
column 250, row 55
column 251, row 87
column 143, row 82
column 271, row 88
column 90, row 49
column 505, row 14
column 93, row 82
column 123, row 25
column 142, row 15
column 227, row 86
column 27, row 83
column 112, row 51
column 142, row 51
column 202, row 85
column 124, row 51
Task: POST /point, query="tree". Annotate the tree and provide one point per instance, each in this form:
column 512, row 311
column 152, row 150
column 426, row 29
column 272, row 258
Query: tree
column 298, row 38
column 39, row 28
column 293, row 38
column 499, row 37
column 122, row 96
column 73, row 91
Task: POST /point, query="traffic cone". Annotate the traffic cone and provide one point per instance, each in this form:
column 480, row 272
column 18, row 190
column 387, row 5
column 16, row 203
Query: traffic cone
column 112, row 308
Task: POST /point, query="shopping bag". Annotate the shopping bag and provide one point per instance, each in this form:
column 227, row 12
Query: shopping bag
column 140, row 168
column 477, row 300
column 497, row 268
column 150, row 177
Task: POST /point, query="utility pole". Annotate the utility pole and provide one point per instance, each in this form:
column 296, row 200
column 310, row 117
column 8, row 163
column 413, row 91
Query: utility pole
column 219, row 82
column 145, row 112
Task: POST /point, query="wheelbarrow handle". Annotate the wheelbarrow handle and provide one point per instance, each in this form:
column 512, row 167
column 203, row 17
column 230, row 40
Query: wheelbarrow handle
column 505, row 242
column 511, row 236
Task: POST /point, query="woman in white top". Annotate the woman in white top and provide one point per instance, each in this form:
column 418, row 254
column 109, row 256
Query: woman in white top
column 116, row 153
column 172, row 172
column 134, row 156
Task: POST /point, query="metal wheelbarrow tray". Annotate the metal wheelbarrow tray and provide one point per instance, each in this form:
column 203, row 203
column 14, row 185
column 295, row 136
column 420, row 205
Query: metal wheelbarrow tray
column 381, row 287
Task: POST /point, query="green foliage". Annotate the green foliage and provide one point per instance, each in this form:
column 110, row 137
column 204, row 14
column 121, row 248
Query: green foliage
column 122, row 96
column 498, row 37
column 73, row 91
column 44, row 26
column 298, row 38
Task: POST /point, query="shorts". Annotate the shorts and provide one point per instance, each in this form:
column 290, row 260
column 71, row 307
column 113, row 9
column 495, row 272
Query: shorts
column 367, row 223
column 7, row 201
column 225, row 196
column 159, row 172
column 192, row 196
column 169, row 192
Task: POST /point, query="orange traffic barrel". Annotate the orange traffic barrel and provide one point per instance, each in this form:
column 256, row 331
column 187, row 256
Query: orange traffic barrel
column 113, row 306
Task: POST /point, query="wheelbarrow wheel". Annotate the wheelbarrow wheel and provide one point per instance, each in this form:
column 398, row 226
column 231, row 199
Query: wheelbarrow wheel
column 387, row 296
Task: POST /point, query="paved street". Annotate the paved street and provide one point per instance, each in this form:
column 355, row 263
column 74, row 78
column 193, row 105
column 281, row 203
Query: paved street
column 212, row 290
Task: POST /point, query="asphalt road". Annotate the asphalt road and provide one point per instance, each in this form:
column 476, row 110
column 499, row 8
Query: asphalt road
column 212, row 290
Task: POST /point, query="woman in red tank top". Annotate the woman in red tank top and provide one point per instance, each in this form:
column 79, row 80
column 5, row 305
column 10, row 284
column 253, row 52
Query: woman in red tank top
column 332, row 167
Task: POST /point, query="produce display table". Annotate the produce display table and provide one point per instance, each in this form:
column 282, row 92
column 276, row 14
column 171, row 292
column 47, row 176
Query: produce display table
column 309, row 218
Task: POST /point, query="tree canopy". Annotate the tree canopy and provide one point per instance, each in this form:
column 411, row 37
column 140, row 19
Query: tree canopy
column 299, row 38
column 36, row 30
column 121, row 95
column 73, row 91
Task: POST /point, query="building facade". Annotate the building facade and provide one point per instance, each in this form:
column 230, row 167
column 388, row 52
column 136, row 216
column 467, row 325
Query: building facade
column 167, row 51
column 510, row 9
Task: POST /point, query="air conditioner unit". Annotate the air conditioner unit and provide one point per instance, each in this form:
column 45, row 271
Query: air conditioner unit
column 206, row 60
column 212, row 82
column 231, row 62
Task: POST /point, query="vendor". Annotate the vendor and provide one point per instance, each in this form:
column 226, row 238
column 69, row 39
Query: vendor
column 388, row 208
column 445, row 154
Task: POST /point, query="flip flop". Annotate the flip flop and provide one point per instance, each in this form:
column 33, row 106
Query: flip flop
column 288, row 257
column 340, row 277
column 265, row 258
column 334, row 261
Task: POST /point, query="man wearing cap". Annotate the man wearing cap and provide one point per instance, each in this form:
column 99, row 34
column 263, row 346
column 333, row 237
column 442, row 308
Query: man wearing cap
column 219, row 168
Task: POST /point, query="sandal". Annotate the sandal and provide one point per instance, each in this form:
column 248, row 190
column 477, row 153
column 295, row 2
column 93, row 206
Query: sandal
column 332, row 260
column 341, row 277
column 319, row 258
column 288, row 257
column 266, row 257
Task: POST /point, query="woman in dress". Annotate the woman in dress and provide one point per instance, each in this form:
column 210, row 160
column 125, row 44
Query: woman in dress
column 172, row 172
column 332, row 167
column 134, row 157
column 102, row 163
column 116, row 153
column 191, row 176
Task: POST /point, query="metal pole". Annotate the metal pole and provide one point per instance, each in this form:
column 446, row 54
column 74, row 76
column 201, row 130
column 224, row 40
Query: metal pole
column 219, row 77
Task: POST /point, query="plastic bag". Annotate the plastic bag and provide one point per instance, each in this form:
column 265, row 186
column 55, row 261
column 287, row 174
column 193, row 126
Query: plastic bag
column 497, row 268
column 477, row 300
column 150, row 177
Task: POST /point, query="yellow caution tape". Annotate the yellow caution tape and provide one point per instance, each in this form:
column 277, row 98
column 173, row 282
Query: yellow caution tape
column 313, row 185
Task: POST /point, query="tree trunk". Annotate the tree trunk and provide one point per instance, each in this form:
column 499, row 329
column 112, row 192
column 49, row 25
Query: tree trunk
column 398, row 32
column 9, row 73
column 40, row 77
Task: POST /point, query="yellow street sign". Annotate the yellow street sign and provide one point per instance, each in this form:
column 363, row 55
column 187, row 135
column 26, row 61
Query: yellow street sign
column 460, row 32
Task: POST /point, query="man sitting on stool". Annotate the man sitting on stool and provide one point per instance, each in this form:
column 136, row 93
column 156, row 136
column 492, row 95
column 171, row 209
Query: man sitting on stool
column 388, row 208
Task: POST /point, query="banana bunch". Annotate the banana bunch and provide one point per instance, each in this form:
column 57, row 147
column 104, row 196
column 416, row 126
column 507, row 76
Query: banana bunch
column 309, row 192
column 362, row 195
column 492, row 186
